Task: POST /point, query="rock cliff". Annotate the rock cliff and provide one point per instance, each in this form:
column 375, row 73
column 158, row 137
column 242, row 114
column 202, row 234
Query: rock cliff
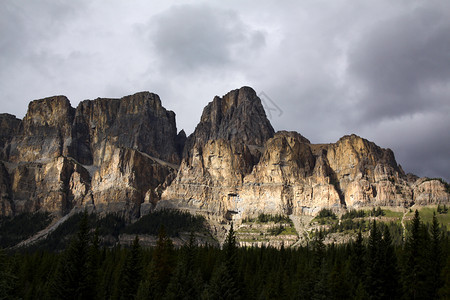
column 111, row 154
column 125, row 155
column 239, row 169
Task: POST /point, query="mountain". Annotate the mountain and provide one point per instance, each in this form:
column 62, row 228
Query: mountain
column 107, row 153
column 124, row 155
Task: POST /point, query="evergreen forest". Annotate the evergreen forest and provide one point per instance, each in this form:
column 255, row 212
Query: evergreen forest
column 372, row 266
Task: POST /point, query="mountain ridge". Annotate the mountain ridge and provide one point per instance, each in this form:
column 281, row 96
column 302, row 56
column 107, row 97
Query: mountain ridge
column 118, row 155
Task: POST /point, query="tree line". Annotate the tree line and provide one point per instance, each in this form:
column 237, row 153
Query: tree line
column 367, row 268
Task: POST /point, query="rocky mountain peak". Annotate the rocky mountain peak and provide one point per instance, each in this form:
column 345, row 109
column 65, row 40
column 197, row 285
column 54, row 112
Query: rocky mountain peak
column 53, row 113
column 237, row 116
column 136, row 121
column 352, row 150
column 9, row 127
column 124, row 155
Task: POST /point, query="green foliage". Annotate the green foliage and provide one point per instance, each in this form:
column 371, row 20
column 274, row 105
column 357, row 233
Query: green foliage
column 21, row 227
column 442, row 209
column 131, row 272
column 266, row 218
column 327, row 213
column 352, row 214
column 73, row 274
column 7, row 279
column 325, row 216
column 276, row 230
column 174, row 221
column 225, row 283
column 61, row 237
column 112, row 225
column 376, row 267
column 378, row 212
column 348, row 225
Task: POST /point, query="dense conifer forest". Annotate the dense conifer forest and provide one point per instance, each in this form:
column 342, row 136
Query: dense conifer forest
column 415, row 267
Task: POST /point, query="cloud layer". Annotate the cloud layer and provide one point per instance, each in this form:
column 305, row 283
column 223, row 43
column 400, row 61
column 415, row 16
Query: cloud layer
column 379, row 69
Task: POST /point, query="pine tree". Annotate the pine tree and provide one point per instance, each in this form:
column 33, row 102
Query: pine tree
column 319, row 271
column 94, row 261
column 225, row 281
column 7, row 279
column 131, row 272
column 72, row 275
column 374, row 272
column 389, row 267
column 161, row 269
column 414, row 272
column 435, row 259
column 186, row 283
column 357, row 262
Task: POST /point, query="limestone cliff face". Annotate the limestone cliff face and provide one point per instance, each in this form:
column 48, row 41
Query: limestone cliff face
column 366, row 174
column 430, row 191
column 6, row 201
column 125, row 179
column 111, row 154
column 238, row 117
column 226, row 173
column 118, row 154
column 57, row 185
column 223, row 149
column 45, row 131
column 9, row 127
column 287, row 180
column 138, row 122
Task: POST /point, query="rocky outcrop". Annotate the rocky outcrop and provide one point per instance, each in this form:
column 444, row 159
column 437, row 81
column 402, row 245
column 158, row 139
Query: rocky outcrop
column 111, row 154
column 57, row 185
column 125, row 155
column 6, row 201
column 223, row 149
column 238, row 117
column 227, row 176
column 138, row 122
column 430, row 191
column 125, row 179
column 9, row 127
column 45, row 132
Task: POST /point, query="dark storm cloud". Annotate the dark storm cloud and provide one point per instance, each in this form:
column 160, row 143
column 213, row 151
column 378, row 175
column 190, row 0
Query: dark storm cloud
column 403, row 64
column 192, row 37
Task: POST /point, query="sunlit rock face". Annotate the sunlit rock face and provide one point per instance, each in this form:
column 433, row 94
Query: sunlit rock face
column 124, row 155
column 235, row 167
column 110, row 154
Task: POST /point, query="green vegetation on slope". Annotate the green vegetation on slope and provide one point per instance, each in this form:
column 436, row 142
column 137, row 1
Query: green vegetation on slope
column 21, row 227
column 417, row 268
column 110, row 227
column 174, row 222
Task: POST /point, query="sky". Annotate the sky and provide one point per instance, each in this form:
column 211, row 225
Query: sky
column 376, row 68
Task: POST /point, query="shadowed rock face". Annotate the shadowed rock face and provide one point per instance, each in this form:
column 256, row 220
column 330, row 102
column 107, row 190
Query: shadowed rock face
column 59, row 157
column 116, row 154
column 45, row 132
column 138, row 122
column 9, row 127
column 238, row 117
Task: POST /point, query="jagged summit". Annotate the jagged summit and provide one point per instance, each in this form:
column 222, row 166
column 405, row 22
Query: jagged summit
column 125, row 155
column 237, row 116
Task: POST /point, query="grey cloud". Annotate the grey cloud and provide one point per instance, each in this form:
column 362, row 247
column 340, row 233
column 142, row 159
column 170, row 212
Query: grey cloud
column 399, row 62
column 192, row 37
column 420, row 143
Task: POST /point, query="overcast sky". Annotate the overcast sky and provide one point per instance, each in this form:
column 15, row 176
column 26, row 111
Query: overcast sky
column 380, row 69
